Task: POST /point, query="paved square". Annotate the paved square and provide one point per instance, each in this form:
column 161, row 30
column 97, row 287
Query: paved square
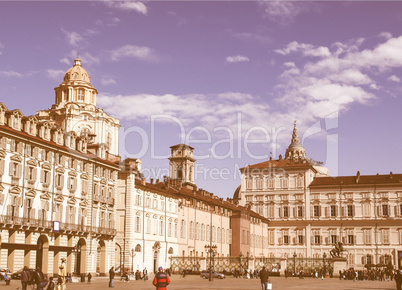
column 195, row 282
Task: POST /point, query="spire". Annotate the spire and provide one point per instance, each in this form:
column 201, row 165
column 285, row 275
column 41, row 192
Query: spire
column 295, row 151
column 77, row 61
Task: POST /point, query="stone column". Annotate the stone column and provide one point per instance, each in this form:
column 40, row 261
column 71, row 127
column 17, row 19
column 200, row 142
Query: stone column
column 11, row 253
column 27, row 253
column 56, row 256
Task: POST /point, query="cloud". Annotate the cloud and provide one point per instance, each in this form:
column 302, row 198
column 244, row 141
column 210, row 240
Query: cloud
column 394, row 78
column 133, row 51
column 73, row 38
column 128, row 6
column 10, row 73
column 65, row 60
column 340, row 76
column 191, row 110
column 305, row 49
column 386, row 35
column 1, row 46
column 55, row 74
column 237, row 58
column 283, row 12
column 108, row 81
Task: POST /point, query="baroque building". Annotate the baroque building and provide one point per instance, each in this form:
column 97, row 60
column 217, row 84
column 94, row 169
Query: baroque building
column 309, row 211
column 169, row 223
column 58, row 176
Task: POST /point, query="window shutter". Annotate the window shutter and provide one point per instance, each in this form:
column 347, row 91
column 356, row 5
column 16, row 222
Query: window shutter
column 294, row 241
column 280, row 212
column 42, row 176
column 62, row 180
column 2, row 163
column 342, row 211
column 1, row 198
column 47, row 205
column 27, row 172
column 25, row 214
column 378, row 210
column 75, row 183
column 355, row 239
column 344, row 240
column 19, row 170
column 353, row 210
column 326, row 211
column 311, row 211
column 327, row 240
column 18, row 201
column 33, row 213
column 389, row 210
column 312, row 240
column 295, row 211
column 9, row 210
column 4, row 142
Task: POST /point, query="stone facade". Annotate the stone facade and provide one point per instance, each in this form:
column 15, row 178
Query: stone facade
column 308, row 211
column 57, row 185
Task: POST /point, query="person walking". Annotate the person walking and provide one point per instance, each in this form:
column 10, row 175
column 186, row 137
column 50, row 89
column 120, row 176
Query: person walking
column 39, row 279
column 398, row 280
column 145, row 272
column 111, row 277
column 25, row 277
column 89, row 277
column 161, row 280
column 61, row 280
column 51, row 284
column 264, row 277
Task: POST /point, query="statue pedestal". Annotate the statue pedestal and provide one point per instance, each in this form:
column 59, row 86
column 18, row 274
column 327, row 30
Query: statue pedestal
column 339, row 264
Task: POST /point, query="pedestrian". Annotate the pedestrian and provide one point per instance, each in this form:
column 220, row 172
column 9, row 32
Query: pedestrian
column 6, row 278
column 264, row 277
column 161, row 280
column 39, row 279
column 89, row 277
column 111, row 277
column 398, row 280
column 61, row 280
column 145, row 272
column 51, row 284
column 25, row 277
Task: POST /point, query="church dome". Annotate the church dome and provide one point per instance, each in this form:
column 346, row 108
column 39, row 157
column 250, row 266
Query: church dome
column 77, row 73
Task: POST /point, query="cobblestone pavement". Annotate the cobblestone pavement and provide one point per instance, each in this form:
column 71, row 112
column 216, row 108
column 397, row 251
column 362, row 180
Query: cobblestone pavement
column 195, row 282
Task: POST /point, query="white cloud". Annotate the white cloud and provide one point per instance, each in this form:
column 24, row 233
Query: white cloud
column 284, row 12
column 191, row 110
column 73, row 38
column 107, row 82
column 129, row 6
column 10, row 73
column 55, row 74
column 394, row 78
column 306, row 49
column 237, row 58
column 386, row 35
column 65, row 60
column 133, row 51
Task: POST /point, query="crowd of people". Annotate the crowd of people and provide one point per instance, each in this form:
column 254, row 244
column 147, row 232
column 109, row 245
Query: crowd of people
column 374, row 274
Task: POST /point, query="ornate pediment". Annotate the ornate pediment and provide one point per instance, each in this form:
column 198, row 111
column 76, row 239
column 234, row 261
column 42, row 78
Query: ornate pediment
column 15, row 190
column 103, row 206
column 84, row 176
column 1, row 187
column 84, row 203
column 103, row 180
column 45, row 195
column 16, row 158
column 47, row 166
column 147, row 214
column 32, row 162
column 31, row 193
column 60, row 169
column 138, row 212
column 59, row 198
column 72, row 201
column 72, row 173
column 2, row 153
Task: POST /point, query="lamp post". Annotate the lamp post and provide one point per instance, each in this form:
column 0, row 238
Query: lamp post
column 294, row 263
column 211, row 250
column 324, row 256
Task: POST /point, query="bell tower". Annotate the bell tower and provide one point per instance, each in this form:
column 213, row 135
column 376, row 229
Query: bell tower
column 182, row 163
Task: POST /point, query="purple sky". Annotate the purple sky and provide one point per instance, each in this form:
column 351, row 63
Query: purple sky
column 216, row 74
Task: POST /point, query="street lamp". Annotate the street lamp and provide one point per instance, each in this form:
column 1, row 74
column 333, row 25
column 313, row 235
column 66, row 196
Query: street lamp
column 294, row 263
column 211, row 250
column 324, row 256
column 76, row 251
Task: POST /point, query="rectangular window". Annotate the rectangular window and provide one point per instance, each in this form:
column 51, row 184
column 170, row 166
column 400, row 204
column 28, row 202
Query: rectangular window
column 138, row 199
column 175, row 230
column 367, row 236
column 300, row 211
column 334, row 239
column 271, row 237
column 148, row 226
column 285, row 239
column 161, row 228
column 138, row 224
column 316, row 211
column 170, row 229
column 385, row 236
column 300, row 239
column 333, row 211
column 350, row 210
column 155, row 227
column 385, row 210
column 317, row 239
column 285, row 211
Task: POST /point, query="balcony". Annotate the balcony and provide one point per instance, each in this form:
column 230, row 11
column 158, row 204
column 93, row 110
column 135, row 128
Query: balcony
column 15, row 180
column 30, row 184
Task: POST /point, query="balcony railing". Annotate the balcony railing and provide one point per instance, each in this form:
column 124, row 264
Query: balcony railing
column 48, row 225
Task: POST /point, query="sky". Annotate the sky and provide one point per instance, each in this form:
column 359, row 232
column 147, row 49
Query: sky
column 228, row 78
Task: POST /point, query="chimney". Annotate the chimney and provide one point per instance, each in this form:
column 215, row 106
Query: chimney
column 143, row 181
column 152, row 181
column 390, row 175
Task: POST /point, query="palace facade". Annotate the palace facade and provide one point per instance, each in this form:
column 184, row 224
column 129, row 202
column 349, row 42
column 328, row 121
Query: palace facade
column 309, row 211
column 58, row 177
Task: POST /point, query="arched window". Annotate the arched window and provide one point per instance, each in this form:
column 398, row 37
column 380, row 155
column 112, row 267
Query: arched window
column 170, row 250
column 138, row 248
